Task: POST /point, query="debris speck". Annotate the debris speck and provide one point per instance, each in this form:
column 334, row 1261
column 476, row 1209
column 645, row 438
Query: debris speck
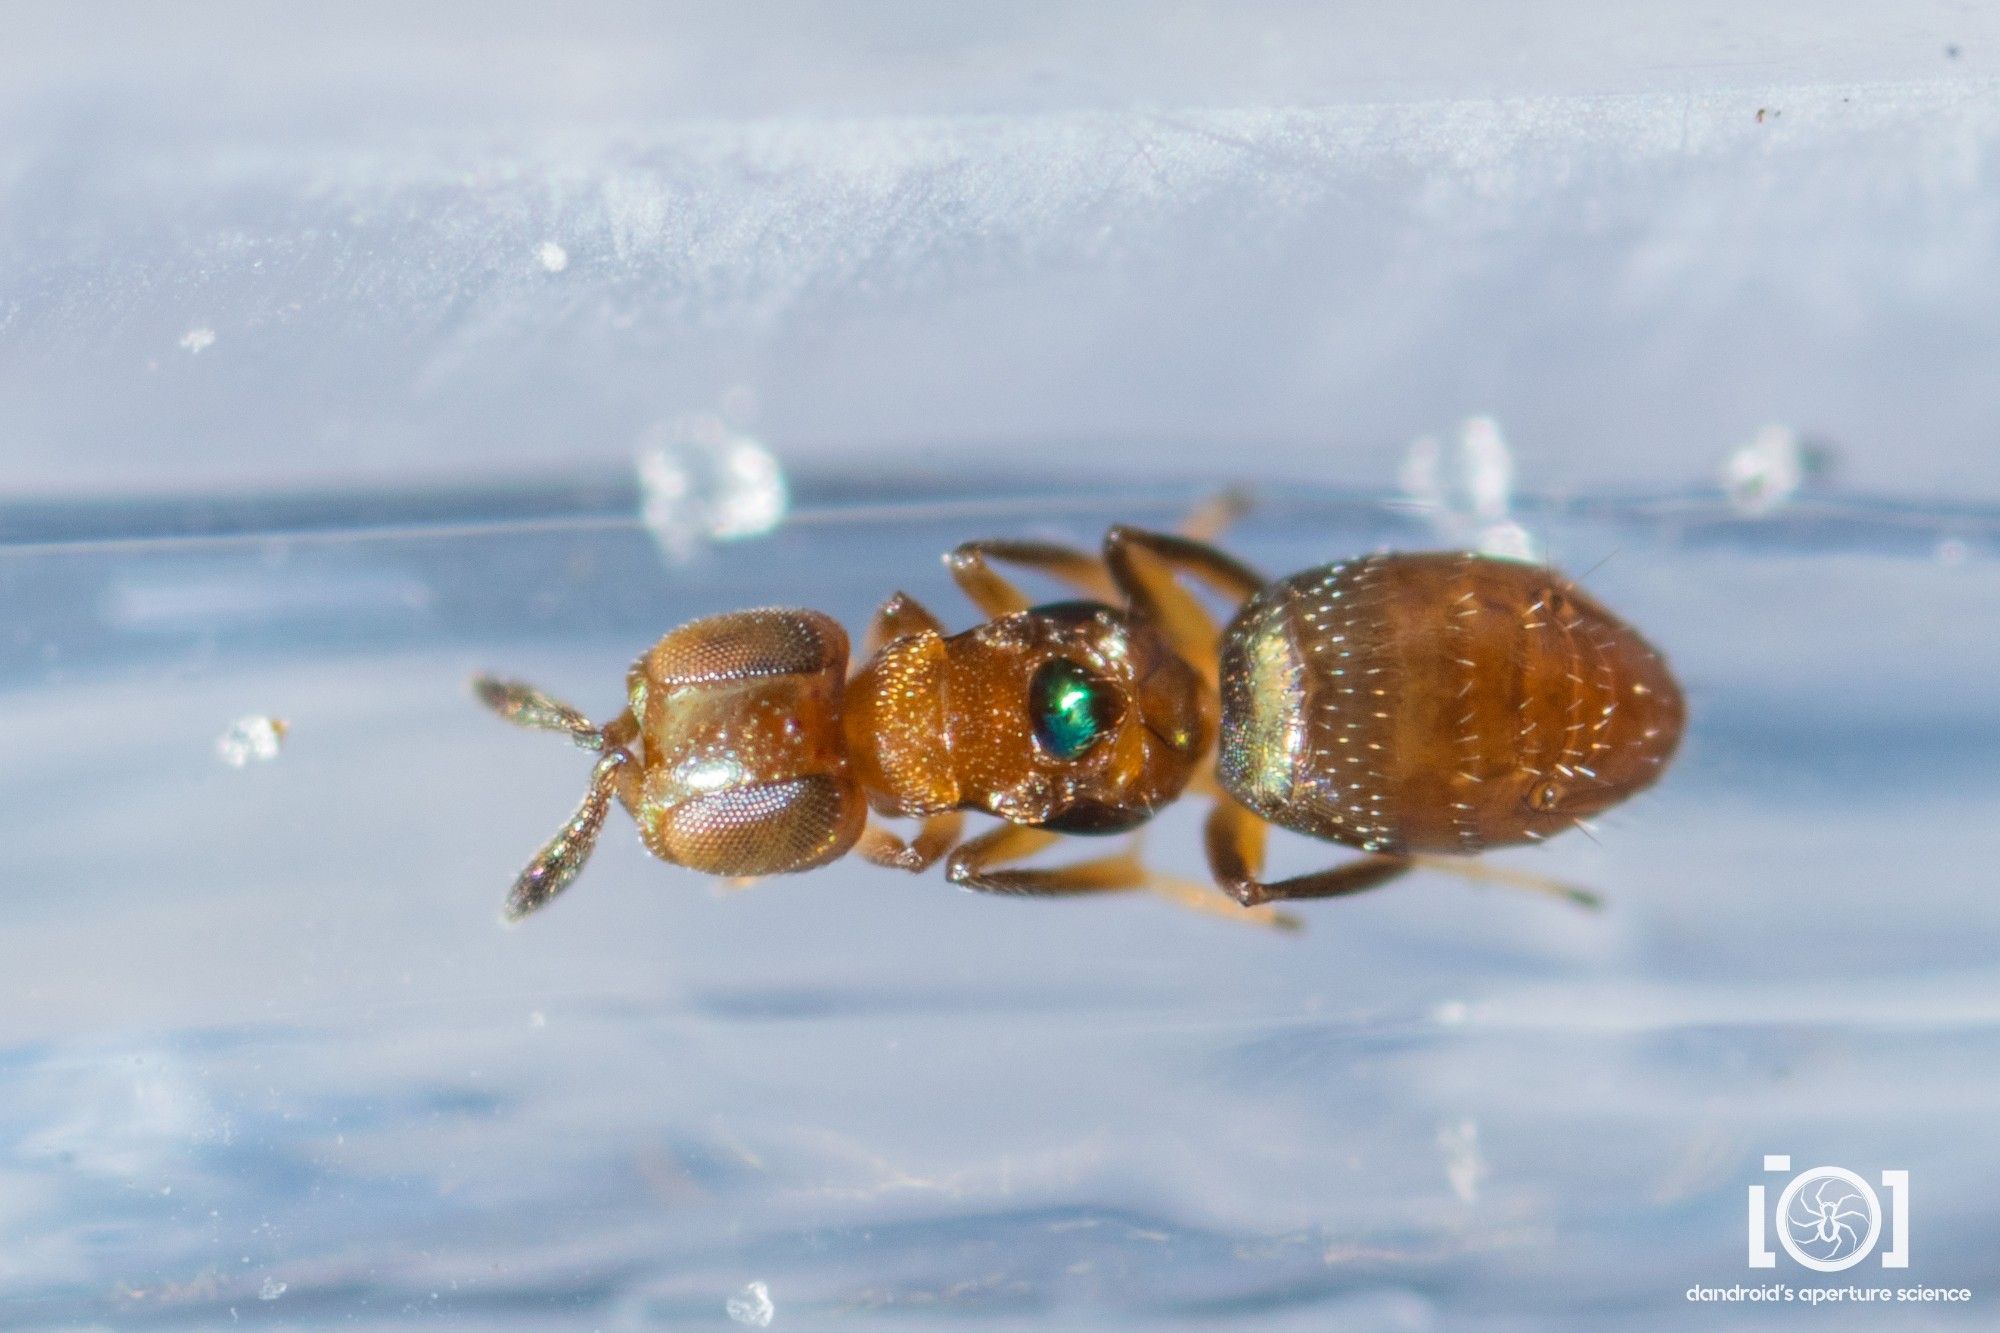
column 198, row 339
column 752, row 1306
column 271, row 1290
column 1463, row 1166
column 1468, row 493
column 701, row 481
column 252, row 738
column 552, row 257
column 1765, row 474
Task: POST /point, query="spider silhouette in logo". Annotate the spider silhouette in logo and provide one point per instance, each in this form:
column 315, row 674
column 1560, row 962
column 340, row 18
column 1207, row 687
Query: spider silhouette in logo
column 1826, row 1217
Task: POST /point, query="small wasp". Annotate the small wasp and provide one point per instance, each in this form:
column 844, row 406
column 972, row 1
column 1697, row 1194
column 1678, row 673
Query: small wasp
column 1409, row 705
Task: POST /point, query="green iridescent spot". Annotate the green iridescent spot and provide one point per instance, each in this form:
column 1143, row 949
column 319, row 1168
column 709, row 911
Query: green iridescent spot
column 1071, row 708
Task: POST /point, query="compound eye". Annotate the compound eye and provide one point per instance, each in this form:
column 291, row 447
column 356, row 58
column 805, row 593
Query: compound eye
column 1071, row 707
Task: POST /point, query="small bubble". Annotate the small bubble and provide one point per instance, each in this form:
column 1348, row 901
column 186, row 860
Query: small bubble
column 701, row 481
column 271, row 1290
column 752, row 1306
column 553, row 257
column 198, row 340
column 250, row 738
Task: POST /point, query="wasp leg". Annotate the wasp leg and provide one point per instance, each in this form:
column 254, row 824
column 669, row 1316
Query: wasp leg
column 1235, row 839
column 1481, row 873
column 1215, row 515
column 935, row 836
column 1204, row 899
column 526, row 706
column 564, row 855
column 899, row 617
column 1146, row 566
column 996, row 596
column 978, row 865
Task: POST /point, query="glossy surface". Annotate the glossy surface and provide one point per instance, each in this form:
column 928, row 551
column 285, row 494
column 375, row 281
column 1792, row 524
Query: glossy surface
column 1439, row 702
column 1070, row 708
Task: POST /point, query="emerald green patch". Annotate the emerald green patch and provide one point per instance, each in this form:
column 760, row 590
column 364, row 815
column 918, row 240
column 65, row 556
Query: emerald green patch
column 1071, row 708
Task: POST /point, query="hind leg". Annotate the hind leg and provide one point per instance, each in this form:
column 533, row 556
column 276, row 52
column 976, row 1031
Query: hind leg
column 1235, row 839
column 1207, row 521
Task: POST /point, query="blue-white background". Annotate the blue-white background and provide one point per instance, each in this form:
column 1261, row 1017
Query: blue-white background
column 288, row 281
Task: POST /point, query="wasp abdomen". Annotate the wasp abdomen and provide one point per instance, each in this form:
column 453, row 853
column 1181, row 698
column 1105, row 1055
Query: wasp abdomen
column 1438, row 702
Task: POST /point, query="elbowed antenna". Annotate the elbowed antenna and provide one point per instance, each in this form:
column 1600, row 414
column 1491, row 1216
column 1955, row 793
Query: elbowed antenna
column 525, row 706
column 563, row 856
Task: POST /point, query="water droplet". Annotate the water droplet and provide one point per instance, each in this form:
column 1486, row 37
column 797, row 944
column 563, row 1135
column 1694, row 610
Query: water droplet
column 701, row 481
column 1768, row 473
column 752, row 1306
column 1764, row 474
column 251, row 738
column 1468, row 493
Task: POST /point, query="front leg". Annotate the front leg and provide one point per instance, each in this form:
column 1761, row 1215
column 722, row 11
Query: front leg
column 898, row 618
column 935, row 836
